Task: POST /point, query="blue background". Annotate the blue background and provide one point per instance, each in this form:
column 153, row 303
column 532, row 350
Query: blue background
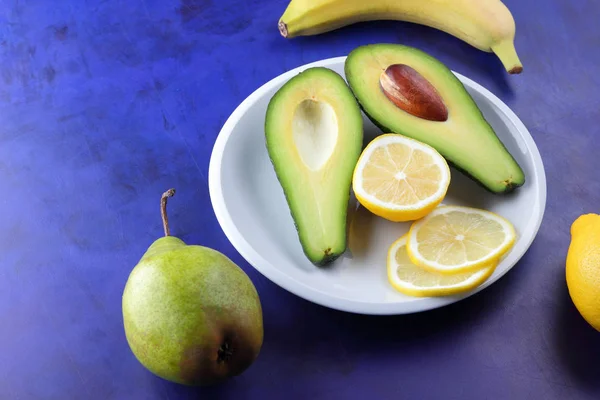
column 105, row 104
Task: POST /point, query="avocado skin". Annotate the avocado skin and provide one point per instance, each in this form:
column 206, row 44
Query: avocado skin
column 328, row 256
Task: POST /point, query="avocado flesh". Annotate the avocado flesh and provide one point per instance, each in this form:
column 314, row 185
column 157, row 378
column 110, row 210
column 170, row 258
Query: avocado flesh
column 314, row 134
column 465, row 139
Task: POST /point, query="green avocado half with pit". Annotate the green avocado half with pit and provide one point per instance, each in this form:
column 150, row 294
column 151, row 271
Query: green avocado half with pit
column 314, row 133
column 424, row 100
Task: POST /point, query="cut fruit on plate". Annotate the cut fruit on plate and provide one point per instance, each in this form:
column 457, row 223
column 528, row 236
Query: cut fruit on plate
column 404, row 90
column 456, row 239
column 314, row 135
column 412, row 280
column 400, row 179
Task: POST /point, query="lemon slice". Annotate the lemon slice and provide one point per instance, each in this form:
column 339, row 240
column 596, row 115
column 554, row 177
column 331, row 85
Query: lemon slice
column 454, row 239
column 412, row 280
column 400, row 179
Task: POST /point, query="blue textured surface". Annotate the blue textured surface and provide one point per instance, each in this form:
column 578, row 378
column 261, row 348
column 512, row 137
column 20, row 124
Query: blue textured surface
column 105, row 104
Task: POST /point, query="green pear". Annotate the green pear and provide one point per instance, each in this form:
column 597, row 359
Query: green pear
column 190, row 314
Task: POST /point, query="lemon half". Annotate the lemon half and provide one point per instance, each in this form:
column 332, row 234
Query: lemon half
column 400, row 179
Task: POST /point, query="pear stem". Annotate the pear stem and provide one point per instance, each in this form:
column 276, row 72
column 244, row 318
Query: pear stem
column 163, row 210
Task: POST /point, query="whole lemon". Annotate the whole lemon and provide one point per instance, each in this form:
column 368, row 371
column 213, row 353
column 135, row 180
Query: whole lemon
column 583, row 267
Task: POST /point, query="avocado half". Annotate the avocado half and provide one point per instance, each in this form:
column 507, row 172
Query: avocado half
column 462, row 136
column 314, row 133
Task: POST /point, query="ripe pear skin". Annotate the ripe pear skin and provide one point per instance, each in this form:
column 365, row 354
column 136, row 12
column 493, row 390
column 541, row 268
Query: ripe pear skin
column 191, row 315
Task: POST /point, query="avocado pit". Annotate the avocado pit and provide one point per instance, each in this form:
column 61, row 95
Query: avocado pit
column 411, row 92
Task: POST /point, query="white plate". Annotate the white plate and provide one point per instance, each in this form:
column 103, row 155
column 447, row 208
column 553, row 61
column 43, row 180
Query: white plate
column 251, row 208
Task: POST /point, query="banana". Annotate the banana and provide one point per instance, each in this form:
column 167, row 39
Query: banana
column 487, row 25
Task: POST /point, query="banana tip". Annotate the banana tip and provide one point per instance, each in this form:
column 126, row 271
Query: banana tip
column 517, row 69
column 283, row 29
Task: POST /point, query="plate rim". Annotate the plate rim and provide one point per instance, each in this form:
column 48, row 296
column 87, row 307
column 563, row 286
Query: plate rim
column 307, row 292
